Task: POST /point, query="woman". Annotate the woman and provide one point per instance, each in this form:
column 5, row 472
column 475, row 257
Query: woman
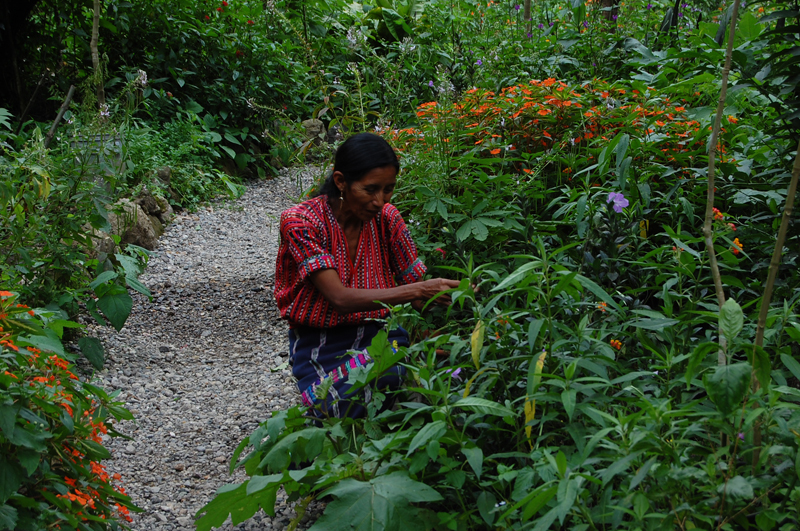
column 343, row 255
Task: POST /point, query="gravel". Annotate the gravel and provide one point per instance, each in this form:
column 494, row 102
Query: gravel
column 196, row 364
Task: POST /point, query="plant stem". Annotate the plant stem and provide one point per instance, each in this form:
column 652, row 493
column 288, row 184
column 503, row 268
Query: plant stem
column 770, row 286
column 712, row 152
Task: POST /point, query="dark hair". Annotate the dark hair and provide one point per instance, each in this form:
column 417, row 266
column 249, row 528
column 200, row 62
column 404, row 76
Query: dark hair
column 355, row 158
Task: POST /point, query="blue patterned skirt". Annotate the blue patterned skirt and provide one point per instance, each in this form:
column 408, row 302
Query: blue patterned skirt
column 318, row 354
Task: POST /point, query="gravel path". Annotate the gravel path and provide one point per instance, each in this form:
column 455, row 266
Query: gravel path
column 193, row 365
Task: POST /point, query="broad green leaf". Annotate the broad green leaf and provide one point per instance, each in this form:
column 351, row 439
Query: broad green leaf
column 731, row 319
column 135, row 284
column 567, row 493
column 539, row 501
column 654, row 324
column 727, row 385
column 545, row 522
column 102, row 278
column 737, row 487
column 517, row 275
column 568, row 398
column 382, row 503
column 791, row 364
column 116, row 308
column 10, row 478
column 481, row 405
column 699, row 354
column 233, row 500
column 8, row 515
column 534, row 328
column 43, row 343
column 8, row 418
column 432, row 431
column 476, row 342
column 486, row 503
column 475, row 459
column 761, row 366
column 618, row 466
column 92, row 349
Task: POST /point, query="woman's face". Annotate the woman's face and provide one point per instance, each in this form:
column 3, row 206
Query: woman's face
column 365, row 198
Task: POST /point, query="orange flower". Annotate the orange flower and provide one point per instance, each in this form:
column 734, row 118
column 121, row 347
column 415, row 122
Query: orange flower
column 6, row 294
column 733, row 120
column 616, row 344
column 495, row 151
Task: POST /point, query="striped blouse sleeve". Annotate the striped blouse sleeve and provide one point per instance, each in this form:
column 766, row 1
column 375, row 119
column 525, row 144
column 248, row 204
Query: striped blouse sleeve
column 403, row 259
column 302, row 240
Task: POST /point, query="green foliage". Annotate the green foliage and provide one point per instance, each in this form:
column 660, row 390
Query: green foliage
column 51, row 432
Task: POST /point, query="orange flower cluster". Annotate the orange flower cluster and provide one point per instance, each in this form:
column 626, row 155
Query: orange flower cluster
column 602, row 306
column 544, row 114
column 617, row 344
column 737, row 246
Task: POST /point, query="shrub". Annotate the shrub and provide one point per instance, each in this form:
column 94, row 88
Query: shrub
column 51, row 432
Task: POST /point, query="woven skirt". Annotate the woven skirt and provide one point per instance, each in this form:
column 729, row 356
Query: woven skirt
column 318, row 354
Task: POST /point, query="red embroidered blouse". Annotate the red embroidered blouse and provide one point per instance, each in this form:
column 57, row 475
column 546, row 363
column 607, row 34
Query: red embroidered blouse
column 312, row 239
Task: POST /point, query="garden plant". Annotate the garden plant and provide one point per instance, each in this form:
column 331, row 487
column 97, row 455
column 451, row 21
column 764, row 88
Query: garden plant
column 612, row 181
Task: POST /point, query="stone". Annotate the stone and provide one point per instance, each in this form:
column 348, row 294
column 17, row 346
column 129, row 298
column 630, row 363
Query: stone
column 165, row 212
column 146, row 200
column 132, row 225
column 165, row 175
column 315, row 130
column 157, row 226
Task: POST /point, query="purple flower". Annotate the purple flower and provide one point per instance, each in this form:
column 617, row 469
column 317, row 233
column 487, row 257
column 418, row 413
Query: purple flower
column 430, row 84
column 619, row 201
column 649, row 6
column 479, row 62
column 741, row 436
column 680, row 14
column 585, row 23
column 454, row 373
column 551, row 24
column 540, row 26
column 614, row 17
column 684, row 5
column 530, row 34
column 516, row 7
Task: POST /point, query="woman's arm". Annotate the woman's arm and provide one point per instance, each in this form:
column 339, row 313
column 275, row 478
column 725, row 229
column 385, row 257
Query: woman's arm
column 349, row 300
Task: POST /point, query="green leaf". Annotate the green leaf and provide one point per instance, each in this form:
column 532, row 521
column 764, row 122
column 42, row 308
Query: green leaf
column 727, row 385
column 43, row 343
column 567, row 493
column 10, row 478
column 737, row 487
column 483, row 406
column 568, row 398
column 432, row 431
column 475, row 459
column 8, row 515
column 92, row 349
column 654, row 324
column 135, row 284
column 382, row 503
column 699, row 354
column 791, row 364
column 8, row 418
column 479, row 230
column 761, row 366
column 486, row 503
column 620, row 465
column 464, row 231
column 29, row 460
column 116, row 308
column 538, row 502
column 731, row 319
column 103, row 278
column 233, row 500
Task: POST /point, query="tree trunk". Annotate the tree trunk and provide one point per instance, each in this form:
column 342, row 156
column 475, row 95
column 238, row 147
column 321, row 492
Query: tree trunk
column 101, row 95
column 526, row 14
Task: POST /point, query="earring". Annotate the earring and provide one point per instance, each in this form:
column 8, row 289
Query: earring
column 341, row 196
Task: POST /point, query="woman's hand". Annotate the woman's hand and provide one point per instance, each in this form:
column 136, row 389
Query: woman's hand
column 431, row 288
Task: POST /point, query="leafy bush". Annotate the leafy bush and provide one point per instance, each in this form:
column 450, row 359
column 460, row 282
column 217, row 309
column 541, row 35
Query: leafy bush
column 51, row 432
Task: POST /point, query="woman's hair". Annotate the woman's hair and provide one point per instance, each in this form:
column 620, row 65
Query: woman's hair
column 355, row 158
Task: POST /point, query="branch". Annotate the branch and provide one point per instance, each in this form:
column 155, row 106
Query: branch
column 712, row 153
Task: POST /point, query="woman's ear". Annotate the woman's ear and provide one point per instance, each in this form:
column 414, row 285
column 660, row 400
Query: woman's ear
column 339, row 181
